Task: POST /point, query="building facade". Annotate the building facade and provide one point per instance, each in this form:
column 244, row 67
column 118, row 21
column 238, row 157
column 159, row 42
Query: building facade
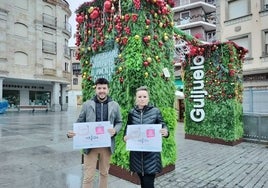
column 196, row 18
column 75, row 88
column 34, row 54
column 245, row 23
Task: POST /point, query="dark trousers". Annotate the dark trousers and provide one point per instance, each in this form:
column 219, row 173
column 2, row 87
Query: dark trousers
column 147, row 180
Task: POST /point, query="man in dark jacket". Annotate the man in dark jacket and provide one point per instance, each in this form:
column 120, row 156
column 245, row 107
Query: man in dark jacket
column 145, row 164
column 100, row 108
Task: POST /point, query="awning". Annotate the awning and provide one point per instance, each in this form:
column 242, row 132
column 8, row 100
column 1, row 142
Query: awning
column 179, row 84
column 179, row 94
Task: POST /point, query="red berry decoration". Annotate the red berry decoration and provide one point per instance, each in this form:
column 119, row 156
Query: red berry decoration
column 137, row 4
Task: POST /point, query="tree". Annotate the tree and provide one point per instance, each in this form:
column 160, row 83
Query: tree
column 131, row 43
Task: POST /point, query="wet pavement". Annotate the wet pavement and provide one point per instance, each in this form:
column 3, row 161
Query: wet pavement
column 35, row 153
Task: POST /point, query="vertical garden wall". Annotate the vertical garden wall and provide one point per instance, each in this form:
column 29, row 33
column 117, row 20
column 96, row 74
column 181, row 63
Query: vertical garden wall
column 130, row 42
column 213, row 92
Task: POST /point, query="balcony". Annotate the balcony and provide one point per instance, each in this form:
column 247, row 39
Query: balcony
column 206, row 25
column 67, row 75
column 49, row 72
column 67, row 28
column 207, row 7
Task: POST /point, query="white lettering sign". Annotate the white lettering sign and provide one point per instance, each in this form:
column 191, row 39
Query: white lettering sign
column 103, row 64
column 198, row 93
column 144, row 137
column 92, row 135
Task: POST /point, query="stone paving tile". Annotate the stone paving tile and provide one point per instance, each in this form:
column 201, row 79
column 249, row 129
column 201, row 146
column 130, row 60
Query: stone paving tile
column 34, row 153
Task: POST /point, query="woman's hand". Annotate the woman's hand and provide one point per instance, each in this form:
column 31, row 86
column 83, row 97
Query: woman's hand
column 70, row 134
column 164, row 132
column 125, row 138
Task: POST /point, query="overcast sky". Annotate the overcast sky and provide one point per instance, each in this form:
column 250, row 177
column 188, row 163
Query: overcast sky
column 74, row 4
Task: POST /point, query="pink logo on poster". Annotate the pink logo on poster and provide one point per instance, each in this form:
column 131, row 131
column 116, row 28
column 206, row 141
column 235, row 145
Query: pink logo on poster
column 99, row 130
column 150, row 133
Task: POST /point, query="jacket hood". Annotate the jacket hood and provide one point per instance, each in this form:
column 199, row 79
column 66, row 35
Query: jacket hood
column 147, row 107
column 95, row 98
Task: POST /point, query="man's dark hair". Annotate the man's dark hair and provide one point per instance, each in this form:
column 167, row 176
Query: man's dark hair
column 102, row 81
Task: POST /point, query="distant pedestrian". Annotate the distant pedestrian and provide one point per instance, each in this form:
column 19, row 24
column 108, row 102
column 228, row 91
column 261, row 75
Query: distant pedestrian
column 145, row 164
column 99, row 108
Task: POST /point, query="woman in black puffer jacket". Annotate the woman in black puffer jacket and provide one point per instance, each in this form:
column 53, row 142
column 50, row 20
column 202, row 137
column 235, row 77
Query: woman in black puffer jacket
column 145, row 164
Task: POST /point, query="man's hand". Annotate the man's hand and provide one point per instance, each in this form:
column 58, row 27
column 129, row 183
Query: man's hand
column 70, row 134
column 112, row 132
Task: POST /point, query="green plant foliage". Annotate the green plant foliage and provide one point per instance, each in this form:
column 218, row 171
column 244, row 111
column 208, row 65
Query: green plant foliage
column 142, row 31
column 222, row 80
column 169, row 144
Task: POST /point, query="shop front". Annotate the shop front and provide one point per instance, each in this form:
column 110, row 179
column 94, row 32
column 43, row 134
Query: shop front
column 34, row 95
column 179, row 99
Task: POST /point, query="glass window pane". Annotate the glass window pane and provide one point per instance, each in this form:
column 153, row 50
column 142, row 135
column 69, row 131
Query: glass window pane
column 238, row 8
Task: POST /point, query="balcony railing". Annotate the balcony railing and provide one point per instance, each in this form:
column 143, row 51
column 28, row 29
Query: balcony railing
column 67, row 51
column 49, row 47
column 266, row 50
column 68, row 27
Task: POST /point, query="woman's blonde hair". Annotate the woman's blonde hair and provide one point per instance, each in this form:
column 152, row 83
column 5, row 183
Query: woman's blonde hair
column 142, row 88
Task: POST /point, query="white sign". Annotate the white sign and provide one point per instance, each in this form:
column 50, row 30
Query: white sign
column 144, row 137
column 198, row 93
column 92, row 135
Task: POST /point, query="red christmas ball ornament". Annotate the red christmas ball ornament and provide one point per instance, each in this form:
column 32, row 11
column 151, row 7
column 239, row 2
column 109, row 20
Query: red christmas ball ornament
column 164, row 10
column 121, row 79
column 232, row 72
column 79, row 18
column 137, row 4
column 146, row 63
column 107, row 6
column 94, row 14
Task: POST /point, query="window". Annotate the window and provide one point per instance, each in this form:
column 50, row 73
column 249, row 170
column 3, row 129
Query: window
column 66, row 66
column 265, row 5
column 39, row 97
column 265, row 43
column 243, row 41
column 185, row 17
column 67, row 51
column 211, row 36
column 74, row 53
column 187, row 31
column 21, row 58
column 76, row 68
column 238, row 8
column 21, row 30
column 75, row 81
column 213, row 2
column 184, row 2
column 12, row 96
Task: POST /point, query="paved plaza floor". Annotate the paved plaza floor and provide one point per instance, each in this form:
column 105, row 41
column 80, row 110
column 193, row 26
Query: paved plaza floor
column 35, row 153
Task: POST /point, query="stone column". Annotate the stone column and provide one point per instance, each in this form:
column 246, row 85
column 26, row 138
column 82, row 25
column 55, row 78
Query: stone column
column 55, row 98
column 1, row 88
column 64, row 94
